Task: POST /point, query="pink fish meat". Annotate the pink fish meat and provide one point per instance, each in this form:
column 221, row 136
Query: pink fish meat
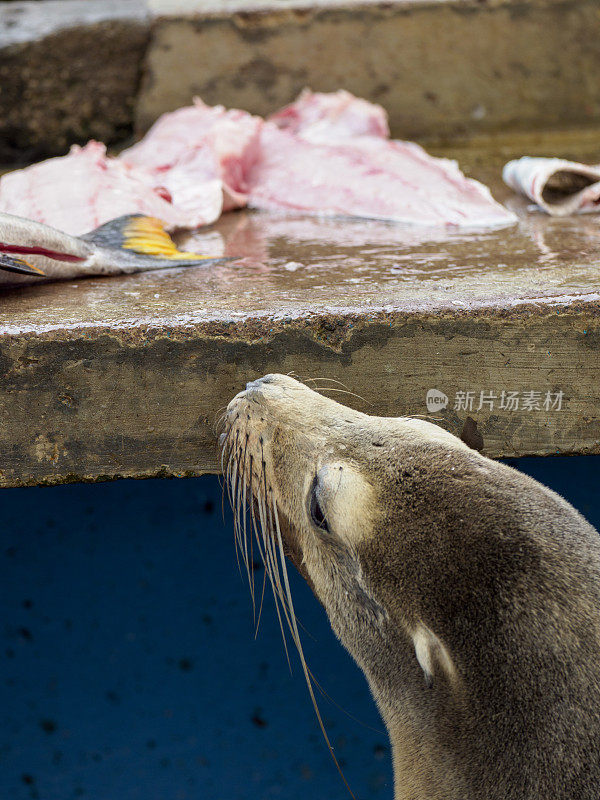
column 80, row 191
column 197, row 145
column 371, row 177
column 325, row 154
column 316, row 115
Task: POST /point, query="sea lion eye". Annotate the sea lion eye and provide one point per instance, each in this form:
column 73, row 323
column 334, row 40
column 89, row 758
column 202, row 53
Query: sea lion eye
column 316, row 512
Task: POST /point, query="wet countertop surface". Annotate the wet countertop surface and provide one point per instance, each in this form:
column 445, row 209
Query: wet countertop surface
column 126, row 376
column 290, row 266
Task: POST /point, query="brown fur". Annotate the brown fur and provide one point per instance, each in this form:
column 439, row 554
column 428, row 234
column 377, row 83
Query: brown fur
column 467, row 592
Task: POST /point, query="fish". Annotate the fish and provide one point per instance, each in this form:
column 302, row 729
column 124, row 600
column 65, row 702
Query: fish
column 32, row 251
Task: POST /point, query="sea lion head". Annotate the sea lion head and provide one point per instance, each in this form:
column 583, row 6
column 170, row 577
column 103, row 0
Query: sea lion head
column 448, row 577
column 333, row 476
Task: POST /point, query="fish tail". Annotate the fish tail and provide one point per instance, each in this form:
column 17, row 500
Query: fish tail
column 141, row 243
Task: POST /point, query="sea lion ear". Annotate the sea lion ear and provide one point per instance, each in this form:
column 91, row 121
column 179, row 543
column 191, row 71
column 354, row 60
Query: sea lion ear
column 471, row 436
column 432, row 655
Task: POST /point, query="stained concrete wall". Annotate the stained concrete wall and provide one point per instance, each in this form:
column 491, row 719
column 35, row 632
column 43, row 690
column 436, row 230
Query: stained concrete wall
column 442, row 69
column 75, row 69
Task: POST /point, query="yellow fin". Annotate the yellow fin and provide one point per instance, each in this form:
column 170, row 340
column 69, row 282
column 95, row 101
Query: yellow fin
column 147, row 235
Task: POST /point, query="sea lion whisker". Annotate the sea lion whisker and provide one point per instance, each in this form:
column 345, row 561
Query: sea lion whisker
column 233, row 472
column 237, row 509
column 241, row 506
column 278, row 601
column 226, row 452
column 236, row 479
column 220, row 416
column 260, row 607
column 269, row 536
column 228, row 479
column 262, row 595
column 269, row 555
column 342, row 391
column 275, row 572
column 223, row 490
column 301, row 653
column 267, row 560
column 289, row 612
column 330, row 699
column 267, row 551
column 230, row 463
column 331, row 380
column 245, row 536
column 237, row 547
column 226, row 487
column 251, row 537
column 241, row 477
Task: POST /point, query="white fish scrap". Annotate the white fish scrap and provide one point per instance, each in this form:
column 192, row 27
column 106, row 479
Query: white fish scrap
column 557, row 186
column 329, row 154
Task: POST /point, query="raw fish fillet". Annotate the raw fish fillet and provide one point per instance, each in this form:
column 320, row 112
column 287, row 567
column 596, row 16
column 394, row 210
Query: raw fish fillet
column 194, row 146
column 370, row 177
column 557, row 186
column 80, row 191
column 315, row 115
column 325, row 154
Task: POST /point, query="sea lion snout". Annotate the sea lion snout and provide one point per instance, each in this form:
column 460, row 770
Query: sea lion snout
column 259, row 382
column 296, row 448
column 263, row 388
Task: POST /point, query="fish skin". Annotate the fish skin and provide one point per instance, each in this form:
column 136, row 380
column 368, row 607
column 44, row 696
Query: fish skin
column 533, row 177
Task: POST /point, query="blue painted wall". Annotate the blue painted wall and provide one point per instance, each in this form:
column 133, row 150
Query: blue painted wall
column 129, row 666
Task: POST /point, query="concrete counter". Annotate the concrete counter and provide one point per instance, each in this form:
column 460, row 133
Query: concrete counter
column 116, row 377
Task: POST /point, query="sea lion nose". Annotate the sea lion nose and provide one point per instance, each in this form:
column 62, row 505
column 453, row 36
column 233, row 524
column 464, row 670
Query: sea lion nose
column 259, row 382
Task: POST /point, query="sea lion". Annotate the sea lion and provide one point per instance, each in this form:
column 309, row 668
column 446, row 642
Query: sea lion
column 467, row 592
